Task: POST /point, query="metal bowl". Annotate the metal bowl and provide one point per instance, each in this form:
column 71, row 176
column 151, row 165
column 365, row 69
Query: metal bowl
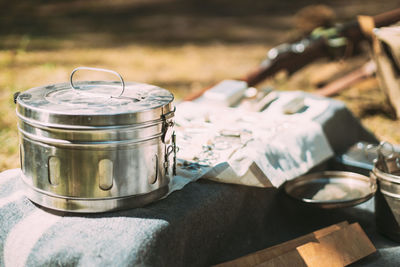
column 331, row 189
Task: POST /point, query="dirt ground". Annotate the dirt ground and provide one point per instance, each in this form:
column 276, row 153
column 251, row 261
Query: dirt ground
column 181, row 45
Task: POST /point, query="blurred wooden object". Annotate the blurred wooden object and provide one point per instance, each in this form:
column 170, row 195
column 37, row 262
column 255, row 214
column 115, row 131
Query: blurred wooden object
column 337, row 245
column 310, row 17
column 342, row 83
column 291, row 57
column 386, row 44
column 367, row 25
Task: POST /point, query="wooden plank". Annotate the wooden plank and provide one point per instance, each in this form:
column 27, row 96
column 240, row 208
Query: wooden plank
column 340, row 248
column 288, row 259
column 337, row 245
column 272, row 252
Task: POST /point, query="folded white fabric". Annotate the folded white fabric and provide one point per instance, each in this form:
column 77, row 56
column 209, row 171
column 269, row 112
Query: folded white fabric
column 251, row 148
column 291, row 152
column 185, row 173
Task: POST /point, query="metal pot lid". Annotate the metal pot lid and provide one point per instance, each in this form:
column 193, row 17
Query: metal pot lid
column 93, row 103
column 331, row 189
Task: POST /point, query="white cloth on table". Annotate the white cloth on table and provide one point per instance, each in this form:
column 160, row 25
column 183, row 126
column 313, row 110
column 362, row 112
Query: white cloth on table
column 253, row 148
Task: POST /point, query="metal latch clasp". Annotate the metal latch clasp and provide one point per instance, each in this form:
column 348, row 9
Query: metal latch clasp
column 168, row 126
column 171, row 149
column 168, row 130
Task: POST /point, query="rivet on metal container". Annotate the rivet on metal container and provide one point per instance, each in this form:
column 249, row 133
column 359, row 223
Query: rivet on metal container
column 95, row 146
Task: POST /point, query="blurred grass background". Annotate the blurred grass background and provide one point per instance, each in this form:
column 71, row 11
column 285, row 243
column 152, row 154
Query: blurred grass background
column 181, row 45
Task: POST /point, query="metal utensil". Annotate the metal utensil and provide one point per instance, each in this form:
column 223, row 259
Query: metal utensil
column 94, row 146
column 331, row 189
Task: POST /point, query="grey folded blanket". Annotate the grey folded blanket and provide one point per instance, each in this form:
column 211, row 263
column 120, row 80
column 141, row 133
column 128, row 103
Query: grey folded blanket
column 202, row 224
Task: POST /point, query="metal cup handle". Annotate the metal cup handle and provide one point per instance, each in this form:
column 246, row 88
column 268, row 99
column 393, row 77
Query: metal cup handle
column 99, row 69
column 373, row 180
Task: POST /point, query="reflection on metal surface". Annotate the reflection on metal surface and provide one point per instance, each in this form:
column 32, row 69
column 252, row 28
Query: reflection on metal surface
column 54, row 170
column 21, row 156
column 89, row 205
column 153, row 177
column 105, row 174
